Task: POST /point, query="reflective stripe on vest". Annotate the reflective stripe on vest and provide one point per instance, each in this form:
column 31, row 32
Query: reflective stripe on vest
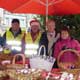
column 14, row 45
column 31, row 47
column 14, row 42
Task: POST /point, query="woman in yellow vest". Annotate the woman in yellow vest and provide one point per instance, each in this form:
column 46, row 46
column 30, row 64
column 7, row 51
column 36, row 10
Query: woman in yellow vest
column 14, row 37
column 32, row 38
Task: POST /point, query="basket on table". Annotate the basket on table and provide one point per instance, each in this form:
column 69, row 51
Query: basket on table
column 17, row 66
column 76, row 64
column 42, row 61
column 4, row 57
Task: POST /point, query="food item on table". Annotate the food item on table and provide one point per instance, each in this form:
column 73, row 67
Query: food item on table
column 3, row 75
column 31, row 74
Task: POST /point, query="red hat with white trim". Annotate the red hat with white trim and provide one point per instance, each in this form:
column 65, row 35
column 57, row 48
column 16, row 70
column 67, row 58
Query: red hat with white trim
column 34, row 21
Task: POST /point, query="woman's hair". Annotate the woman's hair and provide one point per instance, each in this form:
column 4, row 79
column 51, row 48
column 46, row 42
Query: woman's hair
column 65, row 28
column 50, row 20
column 15, row 20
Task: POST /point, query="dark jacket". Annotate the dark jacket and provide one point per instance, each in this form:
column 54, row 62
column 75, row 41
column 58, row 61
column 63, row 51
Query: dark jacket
column 2, row 41
column 44, row 41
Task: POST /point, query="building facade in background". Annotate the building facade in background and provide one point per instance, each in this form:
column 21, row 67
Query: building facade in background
column 6, row 18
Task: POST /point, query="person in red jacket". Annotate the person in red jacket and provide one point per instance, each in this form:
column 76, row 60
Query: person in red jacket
column 65, row 42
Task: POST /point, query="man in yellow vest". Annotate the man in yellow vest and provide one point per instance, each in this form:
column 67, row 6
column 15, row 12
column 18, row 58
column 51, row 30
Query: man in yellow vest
column 32, row 38
column 14, row 37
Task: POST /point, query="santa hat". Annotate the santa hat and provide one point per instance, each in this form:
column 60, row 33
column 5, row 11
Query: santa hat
column 34, row 20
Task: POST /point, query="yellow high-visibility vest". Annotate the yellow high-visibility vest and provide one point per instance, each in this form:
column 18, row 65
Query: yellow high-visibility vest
column 30, row 46
column 14, row 42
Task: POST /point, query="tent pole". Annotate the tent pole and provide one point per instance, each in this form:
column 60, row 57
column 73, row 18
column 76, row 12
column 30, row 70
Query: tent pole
column 46, row 12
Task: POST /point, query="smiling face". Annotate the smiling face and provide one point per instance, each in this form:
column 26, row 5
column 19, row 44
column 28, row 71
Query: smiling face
column 64, row 34
column 35, row 26
column 51, row 26
column 15, row 26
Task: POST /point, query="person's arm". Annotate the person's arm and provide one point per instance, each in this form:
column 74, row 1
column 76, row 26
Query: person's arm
column 55, row 54
column 56, row 50
column 77, row 45
column 43, row 41
column 23, row 43
column 4, row 37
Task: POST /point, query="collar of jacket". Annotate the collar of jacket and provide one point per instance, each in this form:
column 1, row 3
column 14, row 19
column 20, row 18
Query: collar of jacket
column 17, row 33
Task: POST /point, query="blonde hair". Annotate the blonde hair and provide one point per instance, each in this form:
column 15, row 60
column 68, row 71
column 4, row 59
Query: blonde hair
column 49, row 21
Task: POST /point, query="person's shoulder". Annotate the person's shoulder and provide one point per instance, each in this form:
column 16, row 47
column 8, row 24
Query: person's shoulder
column 4, row 35
column 44, row 36
column 75, row 40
